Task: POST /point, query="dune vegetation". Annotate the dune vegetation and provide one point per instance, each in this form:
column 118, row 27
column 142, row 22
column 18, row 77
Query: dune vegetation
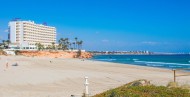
column 136, row 89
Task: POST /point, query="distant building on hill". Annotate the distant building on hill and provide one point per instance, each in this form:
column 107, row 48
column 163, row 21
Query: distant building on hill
column 25, row 34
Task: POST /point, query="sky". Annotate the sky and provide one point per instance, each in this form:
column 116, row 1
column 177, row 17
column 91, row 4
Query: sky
column 109, row 25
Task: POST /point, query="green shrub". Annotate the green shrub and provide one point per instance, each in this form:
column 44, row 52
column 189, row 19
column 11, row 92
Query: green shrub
column 2, row 52
column 172, row 84
column 17, row 52
column 78, row 53
column 145, row 91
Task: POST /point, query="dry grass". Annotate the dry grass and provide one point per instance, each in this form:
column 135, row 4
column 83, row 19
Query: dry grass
column 2, row 52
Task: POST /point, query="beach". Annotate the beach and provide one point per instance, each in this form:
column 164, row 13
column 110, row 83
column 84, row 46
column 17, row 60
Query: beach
column 63, row 77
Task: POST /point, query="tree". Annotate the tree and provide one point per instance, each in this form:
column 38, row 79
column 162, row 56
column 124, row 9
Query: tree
column 6, row 43
column 70, row 45
column 53, row 45
column 76, row 40
column 77, row 45
column 60, row 43
column 80, row 44
column 39, row 46
column 74, row 45
column 64, row 43
column 48, row 47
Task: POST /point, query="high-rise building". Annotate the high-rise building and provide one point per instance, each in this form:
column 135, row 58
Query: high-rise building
column 25, row 34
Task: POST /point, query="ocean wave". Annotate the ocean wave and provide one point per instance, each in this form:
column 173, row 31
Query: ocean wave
column 106, row 59
column 149, row 62
column 175, row 66
column 154, row 65
column 135, row 59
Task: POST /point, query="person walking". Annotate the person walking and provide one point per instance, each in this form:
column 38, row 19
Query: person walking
column 7, row 64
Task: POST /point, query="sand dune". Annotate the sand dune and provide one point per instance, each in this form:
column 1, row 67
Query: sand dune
column 38, row 77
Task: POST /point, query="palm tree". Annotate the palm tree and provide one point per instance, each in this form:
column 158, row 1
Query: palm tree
column 39, row 46
column 42, row 46
column 60, row 43
column 48, row 47
column 76, row 40
column 67, row 42
column 3, row 44
column 53, row 45
column 64, row 43
column 80, row 43
column 6, row 43
column 74, row 46
column 70, row 45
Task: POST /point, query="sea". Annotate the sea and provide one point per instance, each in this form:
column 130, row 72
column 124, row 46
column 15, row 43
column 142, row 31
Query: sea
column 158, row 61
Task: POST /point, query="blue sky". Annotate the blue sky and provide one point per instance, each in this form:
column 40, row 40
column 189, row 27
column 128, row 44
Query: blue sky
column 154, row 25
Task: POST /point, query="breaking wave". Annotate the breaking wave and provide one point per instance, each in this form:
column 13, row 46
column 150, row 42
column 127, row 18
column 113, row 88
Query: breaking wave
column 106, row 59
column 164, row 63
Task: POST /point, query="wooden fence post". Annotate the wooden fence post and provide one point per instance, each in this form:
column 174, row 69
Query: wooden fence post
column 174, row 75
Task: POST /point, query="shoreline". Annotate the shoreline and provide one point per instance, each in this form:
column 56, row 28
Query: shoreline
column 37, row 77
column 182, row 70
column 140, row 65
column 138, row 61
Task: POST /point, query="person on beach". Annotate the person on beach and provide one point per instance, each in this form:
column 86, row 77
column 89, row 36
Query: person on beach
column 7, row 64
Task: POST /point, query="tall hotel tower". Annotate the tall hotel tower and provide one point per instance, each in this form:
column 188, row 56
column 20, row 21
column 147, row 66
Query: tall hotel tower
column 25, row 34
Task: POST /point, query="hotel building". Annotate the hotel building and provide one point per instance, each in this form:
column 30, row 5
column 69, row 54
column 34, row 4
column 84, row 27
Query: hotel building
column 25, row 34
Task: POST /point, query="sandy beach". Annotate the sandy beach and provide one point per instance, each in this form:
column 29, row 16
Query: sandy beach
column 38, row 77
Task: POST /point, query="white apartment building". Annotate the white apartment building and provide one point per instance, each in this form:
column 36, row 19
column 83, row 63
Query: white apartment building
column 25, row 34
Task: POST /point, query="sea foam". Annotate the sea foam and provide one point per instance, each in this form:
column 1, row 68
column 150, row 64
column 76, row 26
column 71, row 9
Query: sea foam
column 150, row 62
